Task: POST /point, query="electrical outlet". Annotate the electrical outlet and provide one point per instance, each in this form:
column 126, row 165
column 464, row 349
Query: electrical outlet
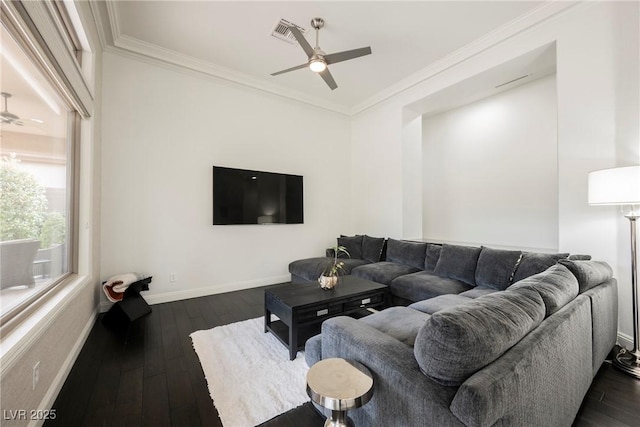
column 36, row 374
column 172, row 277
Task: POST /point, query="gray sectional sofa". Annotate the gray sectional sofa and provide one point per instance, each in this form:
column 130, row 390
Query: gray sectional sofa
column 524, row 356
column 415, row 271
column 481, row 336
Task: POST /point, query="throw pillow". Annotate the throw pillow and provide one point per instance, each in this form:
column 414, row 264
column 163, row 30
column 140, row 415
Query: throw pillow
column 353, row 245
column 406, row 253
column 458, row 262
column 455, row 343
column 372, row 248
column 534, row 263
column 433, row 254
column 589, row 273
column 496, row 268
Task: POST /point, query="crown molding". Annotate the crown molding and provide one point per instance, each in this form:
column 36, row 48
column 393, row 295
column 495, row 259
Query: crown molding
column 123, row 44
column 175, row 59
column 116, row 42
column 542, row 13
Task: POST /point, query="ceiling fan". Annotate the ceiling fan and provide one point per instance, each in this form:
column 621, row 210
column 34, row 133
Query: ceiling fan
column 318, row 60
column 6, row 116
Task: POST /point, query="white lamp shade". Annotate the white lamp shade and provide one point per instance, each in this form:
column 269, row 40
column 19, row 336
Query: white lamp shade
column 617, row 186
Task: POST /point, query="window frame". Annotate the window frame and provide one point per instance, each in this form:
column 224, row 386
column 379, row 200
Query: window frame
column 59, row 60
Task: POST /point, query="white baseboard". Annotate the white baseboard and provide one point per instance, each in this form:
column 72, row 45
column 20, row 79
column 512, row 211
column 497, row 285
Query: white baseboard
column 50, row 396
column 625, row 340
column 203, row 292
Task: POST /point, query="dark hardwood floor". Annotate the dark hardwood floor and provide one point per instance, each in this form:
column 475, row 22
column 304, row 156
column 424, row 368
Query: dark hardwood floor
column 149, row 374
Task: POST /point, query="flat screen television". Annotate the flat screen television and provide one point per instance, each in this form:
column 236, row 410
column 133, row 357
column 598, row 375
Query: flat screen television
column 252, row 197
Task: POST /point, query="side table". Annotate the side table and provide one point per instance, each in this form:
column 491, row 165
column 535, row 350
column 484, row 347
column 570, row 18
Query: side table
column 339, row 385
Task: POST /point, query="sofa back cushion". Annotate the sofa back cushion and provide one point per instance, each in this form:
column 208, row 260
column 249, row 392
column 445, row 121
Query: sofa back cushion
column 534, row 263
column 455, row 343
column 496, row 268
column 556, row 285
column 458, row 262
column 372, row 248
column 353, row 245
column 589, row 273
column 406, row 253
column 433, row 254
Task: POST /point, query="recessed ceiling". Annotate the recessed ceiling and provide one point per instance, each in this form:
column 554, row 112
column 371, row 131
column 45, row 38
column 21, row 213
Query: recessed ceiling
column 232, row 39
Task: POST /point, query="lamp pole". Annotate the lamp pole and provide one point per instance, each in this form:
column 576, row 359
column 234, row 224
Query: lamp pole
column 625, row 360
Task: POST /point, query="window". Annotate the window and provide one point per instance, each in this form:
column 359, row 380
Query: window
column 37, row 148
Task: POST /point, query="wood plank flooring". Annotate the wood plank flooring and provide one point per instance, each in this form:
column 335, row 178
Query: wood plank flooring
column 149, row 375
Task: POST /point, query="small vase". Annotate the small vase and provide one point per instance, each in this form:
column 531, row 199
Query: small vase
column 328, row 282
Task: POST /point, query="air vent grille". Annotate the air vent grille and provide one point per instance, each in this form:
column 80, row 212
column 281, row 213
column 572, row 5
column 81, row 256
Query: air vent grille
column 281, row 31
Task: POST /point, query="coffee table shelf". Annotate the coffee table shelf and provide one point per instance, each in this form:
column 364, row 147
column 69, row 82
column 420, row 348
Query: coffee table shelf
column 301, row 308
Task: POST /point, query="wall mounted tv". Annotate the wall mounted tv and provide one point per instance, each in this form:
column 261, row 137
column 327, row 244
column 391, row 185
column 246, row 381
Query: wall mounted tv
column 252, row 197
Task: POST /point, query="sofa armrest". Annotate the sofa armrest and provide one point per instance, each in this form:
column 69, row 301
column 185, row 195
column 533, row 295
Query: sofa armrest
column 403, row 395
column 548, row 368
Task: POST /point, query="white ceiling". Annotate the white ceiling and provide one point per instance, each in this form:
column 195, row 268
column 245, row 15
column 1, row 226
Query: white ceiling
column 231, row 39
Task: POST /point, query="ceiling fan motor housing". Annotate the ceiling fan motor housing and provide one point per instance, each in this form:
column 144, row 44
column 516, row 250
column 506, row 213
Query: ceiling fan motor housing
column 317, row 23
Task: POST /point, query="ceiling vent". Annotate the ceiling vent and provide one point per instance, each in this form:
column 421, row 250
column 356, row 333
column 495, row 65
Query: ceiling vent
column 281, row 31
column 513, row 81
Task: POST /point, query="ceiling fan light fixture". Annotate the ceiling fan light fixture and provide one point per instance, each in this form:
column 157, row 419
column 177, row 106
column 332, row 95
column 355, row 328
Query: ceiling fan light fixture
column 317, row 65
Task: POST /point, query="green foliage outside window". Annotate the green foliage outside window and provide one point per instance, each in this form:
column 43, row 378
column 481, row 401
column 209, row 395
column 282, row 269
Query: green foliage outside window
column 23, row 202
column 53, row 230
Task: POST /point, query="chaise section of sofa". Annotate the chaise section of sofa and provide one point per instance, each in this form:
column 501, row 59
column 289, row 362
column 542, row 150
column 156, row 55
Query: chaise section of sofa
column 362, row 250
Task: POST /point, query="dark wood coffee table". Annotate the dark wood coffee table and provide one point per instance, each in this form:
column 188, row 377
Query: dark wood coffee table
column 302, row 308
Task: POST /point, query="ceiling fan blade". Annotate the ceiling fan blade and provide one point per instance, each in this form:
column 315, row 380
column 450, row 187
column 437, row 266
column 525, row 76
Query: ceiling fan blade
column 297, row 67
column 333, row 58
column 302, row 41
column 328, row 78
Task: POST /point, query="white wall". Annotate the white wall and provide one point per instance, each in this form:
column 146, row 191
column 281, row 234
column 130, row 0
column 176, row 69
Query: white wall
column 597, row 82
column 490, row 170
column 163, row 131
column 412, row 179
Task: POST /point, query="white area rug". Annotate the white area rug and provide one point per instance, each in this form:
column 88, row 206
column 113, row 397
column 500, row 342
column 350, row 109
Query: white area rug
column 249, row 374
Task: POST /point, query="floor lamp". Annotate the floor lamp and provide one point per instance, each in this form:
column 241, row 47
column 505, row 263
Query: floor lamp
column 621, row 186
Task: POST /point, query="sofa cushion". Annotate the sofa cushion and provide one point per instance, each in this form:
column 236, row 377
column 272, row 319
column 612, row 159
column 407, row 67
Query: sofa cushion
column 496, row 268
column 556, row 285
column 433, row 254
column 353, row 245
column 372, row 248
column 534, row 263
column 312, row 268
column 401, row 323
column 477, row 292
column 407, row 253
column 422, row 285
column 456, row 342
column 458, row 262
column 313, row 350
column 589, row 273
column 382, row 272
column 438, row 303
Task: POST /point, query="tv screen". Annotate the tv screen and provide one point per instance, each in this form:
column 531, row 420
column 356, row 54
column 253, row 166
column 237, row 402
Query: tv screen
column 252, row 197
